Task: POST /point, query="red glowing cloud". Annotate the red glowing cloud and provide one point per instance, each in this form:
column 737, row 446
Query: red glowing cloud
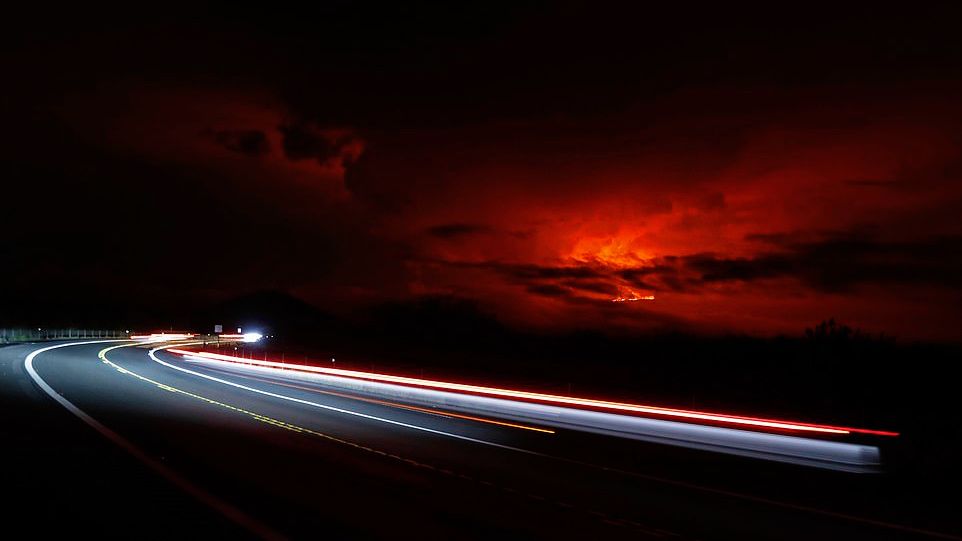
column 758, row 176
column 720, row 211
column 757, row 220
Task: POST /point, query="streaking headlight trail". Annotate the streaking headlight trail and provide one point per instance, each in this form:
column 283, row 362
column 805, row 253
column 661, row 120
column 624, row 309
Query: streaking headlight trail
column 747, row 436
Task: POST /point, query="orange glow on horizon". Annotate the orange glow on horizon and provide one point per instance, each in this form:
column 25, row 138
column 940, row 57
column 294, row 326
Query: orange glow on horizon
column 632, row 297
column 616, row 252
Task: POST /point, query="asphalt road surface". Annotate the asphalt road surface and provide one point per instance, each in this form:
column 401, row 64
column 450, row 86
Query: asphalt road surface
column 135, row 449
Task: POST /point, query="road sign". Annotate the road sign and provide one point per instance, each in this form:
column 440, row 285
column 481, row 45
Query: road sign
column 218, row 329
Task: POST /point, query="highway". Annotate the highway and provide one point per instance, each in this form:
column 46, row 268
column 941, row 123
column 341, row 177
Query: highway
column 105, row 435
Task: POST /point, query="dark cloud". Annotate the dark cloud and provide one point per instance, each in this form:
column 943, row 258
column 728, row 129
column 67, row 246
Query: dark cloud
column 549, row 290
column 659, row 276
column 304, row 141
column 569, row 282
column 593, row 286
column 870, row 183
column 458, row 230
column 780, row 238
column 251, row 143
column 830, row 265
column 709, row 268
column 712, row 201
column 548, row 169
column 543, row 272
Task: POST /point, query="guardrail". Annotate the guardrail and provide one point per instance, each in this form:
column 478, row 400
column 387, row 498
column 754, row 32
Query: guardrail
column 39, row 334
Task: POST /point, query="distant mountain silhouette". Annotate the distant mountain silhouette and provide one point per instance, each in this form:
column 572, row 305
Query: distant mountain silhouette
column 435, row 320
column 266, row 312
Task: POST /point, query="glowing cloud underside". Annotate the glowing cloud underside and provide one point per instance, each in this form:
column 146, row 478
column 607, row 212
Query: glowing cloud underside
column 632, row 297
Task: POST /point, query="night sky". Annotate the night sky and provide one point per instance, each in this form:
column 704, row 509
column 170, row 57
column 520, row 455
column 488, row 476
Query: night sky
column 755, row 169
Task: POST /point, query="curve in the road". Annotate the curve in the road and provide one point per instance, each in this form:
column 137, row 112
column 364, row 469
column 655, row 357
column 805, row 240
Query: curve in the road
column 692, row 486
column 607, row 517
column 264, row 531
column 224, row 508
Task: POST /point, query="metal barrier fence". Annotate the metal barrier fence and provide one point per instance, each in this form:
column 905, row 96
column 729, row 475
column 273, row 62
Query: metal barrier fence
column 37, row 334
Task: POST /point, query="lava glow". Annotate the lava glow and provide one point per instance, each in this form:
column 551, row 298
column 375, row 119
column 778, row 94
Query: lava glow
column 632, row 297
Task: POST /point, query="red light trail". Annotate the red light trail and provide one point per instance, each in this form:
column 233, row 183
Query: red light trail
column 438, row 412
column 741, row 421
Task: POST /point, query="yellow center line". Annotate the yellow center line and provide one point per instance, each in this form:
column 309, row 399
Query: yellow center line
column 440, row 413
column 300, row 429
column 102, row 355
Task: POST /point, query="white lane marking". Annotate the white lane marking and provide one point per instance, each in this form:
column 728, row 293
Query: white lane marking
column 794, row 449
column 335, row 409
column 608, row 469
column 283, row 424
column 226, row 509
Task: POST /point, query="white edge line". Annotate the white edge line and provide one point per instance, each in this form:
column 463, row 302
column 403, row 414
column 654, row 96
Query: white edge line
column 336, row 409
column 684, row 484
column 229, row 511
